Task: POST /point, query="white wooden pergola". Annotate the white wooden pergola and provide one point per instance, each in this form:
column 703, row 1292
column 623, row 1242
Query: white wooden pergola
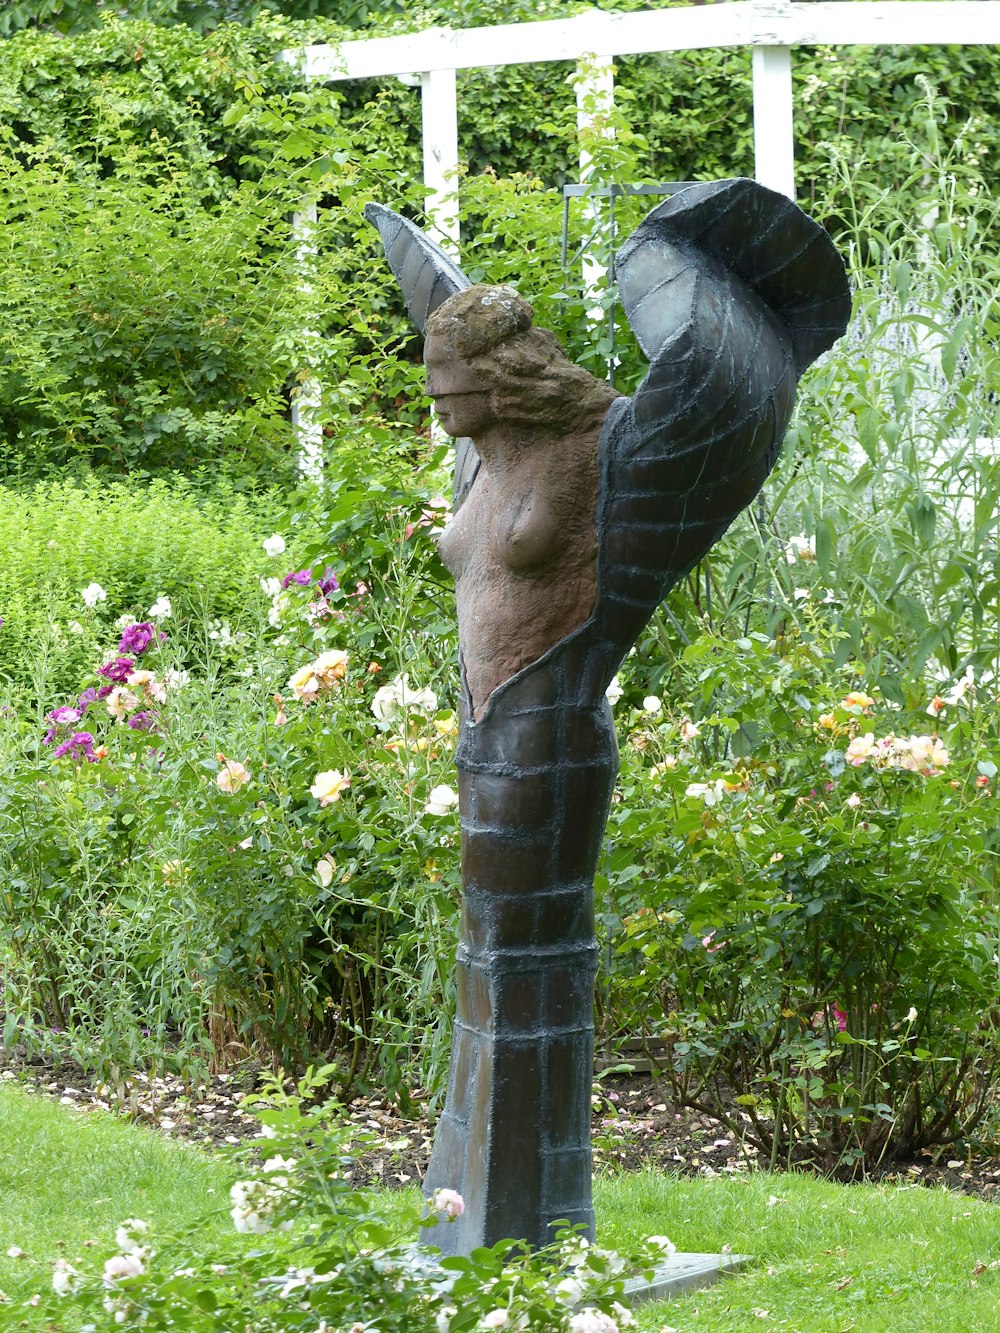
column 771, row 28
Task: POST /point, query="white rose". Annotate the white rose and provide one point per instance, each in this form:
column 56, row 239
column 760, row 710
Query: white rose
column 442, row 801
column 92, row 594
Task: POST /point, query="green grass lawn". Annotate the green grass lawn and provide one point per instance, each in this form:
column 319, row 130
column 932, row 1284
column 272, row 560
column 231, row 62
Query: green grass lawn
column 878, row 1259
column 67, row 1180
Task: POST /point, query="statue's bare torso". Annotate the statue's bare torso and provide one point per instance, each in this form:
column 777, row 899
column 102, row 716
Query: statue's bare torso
column 523, row 546
column 522, row 550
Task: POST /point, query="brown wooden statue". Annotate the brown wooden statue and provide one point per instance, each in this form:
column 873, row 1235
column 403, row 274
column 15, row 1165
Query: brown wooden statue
column 576, row 510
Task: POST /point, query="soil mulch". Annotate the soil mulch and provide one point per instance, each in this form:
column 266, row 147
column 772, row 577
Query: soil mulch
column 634, row 1127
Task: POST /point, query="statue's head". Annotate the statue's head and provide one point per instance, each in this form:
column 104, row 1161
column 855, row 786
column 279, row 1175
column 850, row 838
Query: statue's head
column 487, row 363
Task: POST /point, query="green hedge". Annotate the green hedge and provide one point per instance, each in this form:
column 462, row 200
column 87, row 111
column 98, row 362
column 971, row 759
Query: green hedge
column 139, row 543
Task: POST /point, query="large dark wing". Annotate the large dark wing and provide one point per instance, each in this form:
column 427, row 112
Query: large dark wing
column 427, row 276
column 731, row 291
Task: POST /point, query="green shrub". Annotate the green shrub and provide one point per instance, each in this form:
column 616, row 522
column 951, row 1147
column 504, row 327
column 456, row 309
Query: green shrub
column 161, row 904
column 201, row 549
column 803, row 881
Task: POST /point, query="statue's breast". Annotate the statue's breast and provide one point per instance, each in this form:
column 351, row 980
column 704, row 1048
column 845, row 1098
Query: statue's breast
column 524, row 536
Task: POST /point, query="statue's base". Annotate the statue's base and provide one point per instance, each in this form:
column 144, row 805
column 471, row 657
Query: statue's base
column 681, row 1273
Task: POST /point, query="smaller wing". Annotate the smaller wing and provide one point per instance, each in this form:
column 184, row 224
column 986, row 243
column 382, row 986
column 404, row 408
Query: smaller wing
column 427, row 276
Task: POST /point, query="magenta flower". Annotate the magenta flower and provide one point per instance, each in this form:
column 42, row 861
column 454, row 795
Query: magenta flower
column 65, row 714
column 86, row 699
column 79, row 746
column 142, row 721
column 118, row 670
column 303, row 577
column 329, row 582
column 137, row 638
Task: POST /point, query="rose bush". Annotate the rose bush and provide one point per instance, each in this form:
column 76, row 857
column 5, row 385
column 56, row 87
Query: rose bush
column 802, row 907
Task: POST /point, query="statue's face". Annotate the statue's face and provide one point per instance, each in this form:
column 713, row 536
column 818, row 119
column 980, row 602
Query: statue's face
column 462, row 399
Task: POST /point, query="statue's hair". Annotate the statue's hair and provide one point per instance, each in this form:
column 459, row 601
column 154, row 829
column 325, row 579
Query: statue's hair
column 532, row 380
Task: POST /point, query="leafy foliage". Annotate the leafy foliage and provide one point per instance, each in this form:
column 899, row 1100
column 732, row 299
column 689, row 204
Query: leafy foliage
column 807, row 888
column 346, row 1266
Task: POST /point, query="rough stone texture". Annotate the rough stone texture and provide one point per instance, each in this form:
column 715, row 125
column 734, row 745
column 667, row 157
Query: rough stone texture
column 561, row 555
column 523, row 546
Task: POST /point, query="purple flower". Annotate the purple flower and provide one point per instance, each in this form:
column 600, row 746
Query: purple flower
column 65, row 714
column 329, row 582
column 86, row 699
column 302, row 577
column 104, row 691
column 80, row 745
column 142, row 721
column 119, row 671
column 137, row 638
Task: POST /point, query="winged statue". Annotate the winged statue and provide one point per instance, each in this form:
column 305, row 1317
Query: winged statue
column 576, row 510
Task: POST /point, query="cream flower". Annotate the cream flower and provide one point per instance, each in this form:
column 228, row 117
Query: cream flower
column 147, row 682
column 325, row 673
column 65, row 1278
column 125, row 1235
column 331, row 667
column 709, row 792
column 274, row 545
column 328, row 785
column 859, row 749
column 800, row 547
column 92, row 594
column 304, row 684
column 232, row 776
column 391, row 701
column 122, row 703
column 442, row 801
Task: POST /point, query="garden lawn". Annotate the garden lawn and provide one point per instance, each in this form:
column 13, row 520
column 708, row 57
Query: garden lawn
column 67, row 1180
column 826, row 1257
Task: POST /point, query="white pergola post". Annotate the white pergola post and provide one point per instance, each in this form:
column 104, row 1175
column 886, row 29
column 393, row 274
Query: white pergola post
column 773, row 137
column 439, row 106
column 595, row 99
column 307, row 398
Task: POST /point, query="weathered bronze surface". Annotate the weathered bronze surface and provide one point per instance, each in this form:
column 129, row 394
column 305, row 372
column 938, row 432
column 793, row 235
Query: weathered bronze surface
column 576, row 512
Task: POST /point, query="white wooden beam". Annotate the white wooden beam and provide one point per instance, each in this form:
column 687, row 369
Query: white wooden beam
column 876, row 23
column 439, row 106
column 527, row 43
column 773, row 119
column 743, row 23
